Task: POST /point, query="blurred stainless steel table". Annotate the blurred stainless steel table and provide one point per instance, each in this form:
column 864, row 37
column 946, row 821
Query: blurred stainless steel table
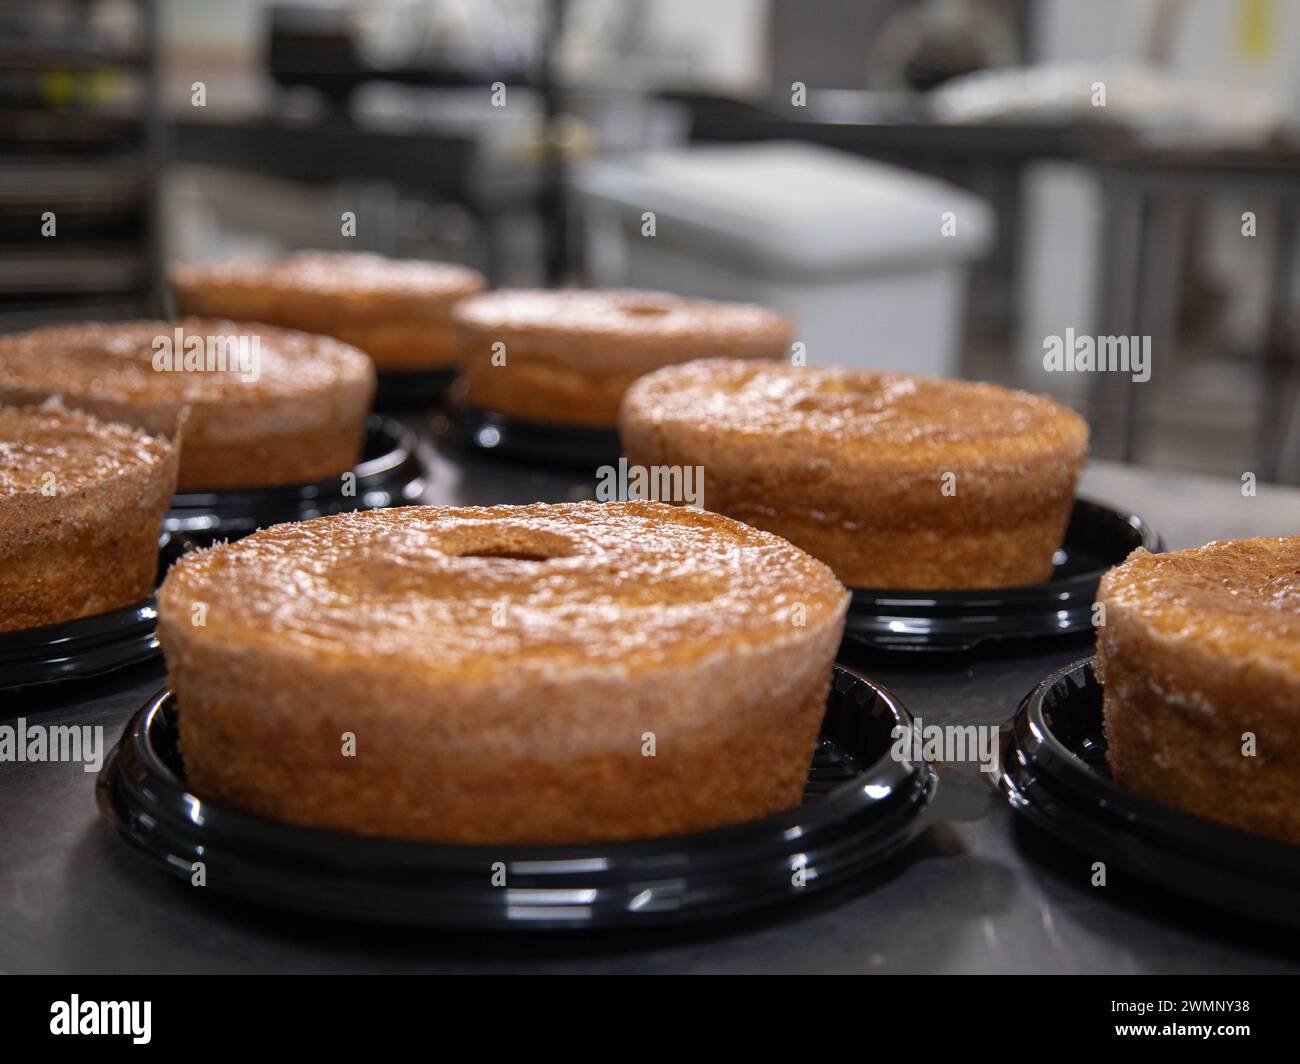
column 983, row 894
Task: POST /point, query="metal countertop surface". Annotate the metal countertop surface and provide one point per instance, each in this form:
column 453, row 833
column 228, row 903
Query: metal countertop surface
column 982, row 894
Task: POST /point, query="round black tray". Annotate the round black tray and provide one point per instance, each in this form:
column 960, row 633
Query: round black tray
column 411, row 389
column 1053, row 771
column 860, row 807
column 88, row 646
column 389, row 474
column 1097, row 537
column 521, row 440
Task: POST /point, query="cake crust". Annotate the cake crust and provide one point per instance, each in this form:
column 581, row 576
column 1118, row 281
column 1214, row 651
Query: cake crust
column 81, row 505
column 502, row 670
column 298, row 418
column 1200, row 647
column 571, row 354
column 398, row 311
column 895, row 481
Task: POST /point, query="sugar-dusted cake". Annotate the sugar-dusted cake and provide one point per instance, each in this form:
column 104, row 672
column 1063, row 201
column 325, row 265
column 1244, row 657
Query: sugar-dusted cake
column 527, row 674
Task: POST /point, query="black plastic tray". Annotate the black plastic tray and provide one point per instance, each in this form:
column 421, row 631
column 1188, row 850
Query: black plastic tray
column 88, row 646
column 1053, row 772
column 860, row 807
column 389, row 474
column 1098, row 537
column 411, row 389
column 519, row 440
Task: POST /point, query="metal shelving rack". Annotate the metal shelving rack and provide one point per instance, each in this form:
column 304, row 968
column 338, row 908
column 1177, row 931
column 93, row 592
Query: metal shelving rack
column 80, row 137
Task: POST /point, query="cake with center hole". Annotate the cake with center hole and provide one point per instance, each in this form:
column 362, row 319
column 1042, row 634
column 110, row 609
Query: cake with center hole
column 1199, row 654
column 510, row 674
column 567, row 356
column 398, row 311
column 261, row 406
column 81, row 506
column 894, row 481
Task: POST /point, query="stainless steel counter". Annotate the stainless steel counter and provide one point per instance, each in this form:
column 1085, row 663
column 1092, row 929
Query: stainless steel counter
column 982, row 894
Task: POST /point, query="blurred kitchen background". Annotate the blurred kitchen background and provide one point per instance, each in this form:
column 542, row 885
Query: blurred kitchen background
column 934, row 185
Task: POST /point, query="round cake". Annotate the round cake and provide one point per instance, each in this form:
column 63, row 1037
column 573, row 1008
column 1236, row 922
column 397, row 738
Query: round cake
column 1199, row 653
column 265, row 406
column 81, row 506
column 510, row 674
column 894, row 481
column 567, row 356
column 398, row 311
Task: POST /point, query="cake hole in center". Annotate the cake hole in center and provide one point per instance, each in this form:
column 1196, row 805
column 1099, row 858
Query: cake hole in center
column 506, row 552
column 644, row 310
column 503, row 541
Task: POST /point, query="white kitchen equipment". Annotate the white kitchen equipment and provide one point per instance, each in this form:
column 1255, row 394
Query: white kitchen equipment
column 870, row 260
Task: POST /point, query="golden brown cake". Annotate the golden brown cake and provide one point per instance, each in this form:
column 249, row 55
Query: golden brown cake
column 893, row 481
column 81, row 506
column 398, row 311
column 1199, row 650
column 503, row 671
column 265, row 406
column 570, row 354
